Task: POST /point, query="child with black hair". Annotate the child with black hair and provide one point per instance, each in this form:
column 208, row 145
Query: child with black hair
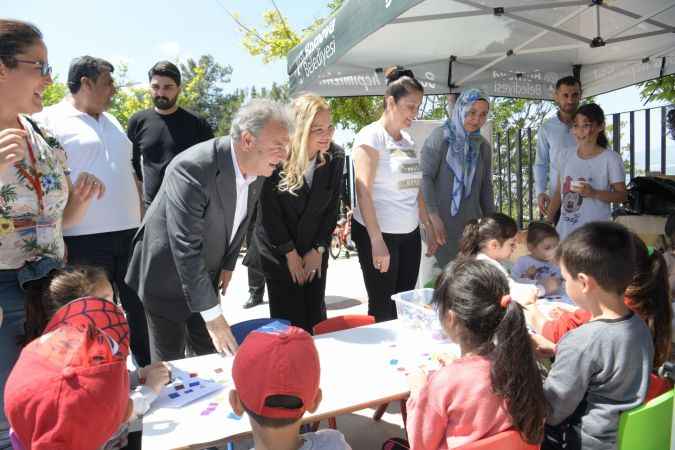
column 591, row 176
column 669, row 253
column 539, row 266
column 602, row 368
column 495, row 385
column 65, row 285
column 492, row 238
column 276, row 374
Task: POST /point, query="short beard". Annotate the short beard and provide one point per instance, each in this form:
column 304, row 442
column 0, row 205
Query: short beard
column 164, row 103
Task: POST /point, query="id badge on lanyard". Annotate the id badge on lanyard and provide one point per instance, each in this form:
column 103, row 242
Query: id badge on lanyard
column 45, row 230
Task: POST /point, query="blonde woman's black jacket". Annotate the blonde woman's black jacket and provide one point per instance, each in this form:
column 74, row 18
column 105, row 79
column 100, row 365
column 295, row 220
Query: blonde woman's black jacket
column 303, row 220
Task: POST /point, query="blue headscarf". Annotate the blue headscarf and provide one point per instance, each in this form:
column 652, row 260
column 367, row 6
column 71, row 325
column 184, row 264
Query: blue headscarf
column 463, row 152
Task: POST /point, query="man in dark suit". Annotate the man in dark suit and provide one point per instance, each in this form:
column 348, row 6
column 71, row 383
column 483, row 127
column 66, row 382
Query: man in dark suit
column 190, row 238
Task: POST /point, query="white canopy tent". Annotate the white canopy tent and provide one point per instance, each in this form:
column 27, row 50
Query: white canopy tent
column 512, row 48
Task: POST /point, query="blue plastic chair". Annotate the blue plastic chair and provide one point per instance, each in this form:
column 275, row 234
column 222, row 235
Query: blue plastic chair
column 242, row 329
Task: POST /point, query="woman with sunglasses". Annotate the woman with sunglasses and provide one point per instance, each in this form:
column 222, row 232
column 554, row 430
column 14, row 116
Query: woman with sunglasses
column 37, row 198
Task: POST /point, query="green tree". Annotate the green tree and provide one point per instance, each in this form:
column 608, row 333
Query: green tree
column 54, row 92
column 129, row 98
column 277, row 39
column 660, row 89
column 203, row 88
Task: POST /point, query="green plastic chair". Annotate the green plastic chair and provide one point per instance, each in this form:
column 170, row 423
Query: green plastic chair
column 647, row 427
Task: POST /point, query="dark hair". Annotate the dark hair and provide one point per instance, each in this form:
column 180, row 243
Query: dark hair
column 567, row 81
column 60, row 287
column 538, row 231
column 400, row 83
column 594, row 113
column 15, row 37
column 669, row 229
column 602, row 250
column 670, row 122
column 649, row 296
column 473, row 290
column 276, row 401
column 165, row 69
column 478, row 231
column 86, row 66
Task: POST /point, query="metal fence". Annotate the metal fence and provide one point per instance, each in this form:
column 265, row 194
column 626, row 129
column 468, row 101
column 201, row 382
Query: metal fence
column 639, row 136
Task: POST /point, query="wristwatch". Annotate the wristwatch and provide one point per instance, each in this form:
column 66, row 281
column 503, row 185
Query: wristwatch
column 321, row 249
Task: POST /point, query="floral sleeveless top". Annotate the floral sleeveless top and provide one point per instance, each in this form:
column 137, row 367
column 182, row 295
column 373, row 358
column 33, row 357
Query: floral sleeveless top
column 33, row 195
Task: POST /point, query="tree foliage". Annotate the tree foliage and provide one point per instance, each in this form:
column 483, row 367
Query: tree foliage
column 203, row 81
column 660, row 89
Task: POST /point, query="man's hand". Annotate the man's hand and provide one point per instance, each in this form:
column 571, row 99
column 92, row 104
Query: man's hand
column 225, row 277
column 221, row 335
column 543, row 200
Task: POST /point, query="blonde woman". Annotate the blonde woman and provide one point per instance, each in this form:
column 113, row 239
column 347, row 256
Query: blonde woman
column 297, row 213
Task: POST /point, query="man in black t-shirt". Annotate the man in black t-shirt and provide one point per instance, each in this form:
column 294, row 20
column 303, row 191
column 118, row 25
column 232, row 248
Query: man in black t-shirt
column 160, row 133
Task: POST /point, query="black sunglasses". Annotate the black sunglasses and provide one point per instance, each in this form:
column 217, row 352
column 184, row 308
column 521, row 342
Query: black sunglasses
column 45, row 69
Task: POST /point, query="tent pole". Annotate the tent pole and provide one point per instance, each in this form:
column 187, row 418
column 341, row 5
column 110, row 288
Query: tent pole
column 640, row 20
column 451, row 60
column 504, row 11
column 523, row 45
column 636, row 16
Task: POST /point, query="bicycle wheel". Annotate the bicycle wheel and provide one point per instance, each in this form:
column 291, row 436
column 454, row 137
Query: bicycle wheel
column 335, row 247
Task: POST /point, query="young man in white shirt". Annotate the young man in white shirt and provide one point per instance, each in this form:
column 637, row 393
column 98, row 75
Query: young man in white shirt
column 554, row 136
column 95, row 142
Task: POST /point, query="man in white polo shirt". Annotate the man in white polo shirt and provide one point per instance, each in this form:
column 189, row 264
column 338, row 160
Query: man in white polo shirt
column 95, row 142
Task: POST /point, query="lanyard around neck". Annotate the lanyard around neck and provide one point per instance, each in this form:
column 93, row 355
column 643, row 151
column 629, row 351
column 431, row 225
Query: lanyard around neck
column 34, row 177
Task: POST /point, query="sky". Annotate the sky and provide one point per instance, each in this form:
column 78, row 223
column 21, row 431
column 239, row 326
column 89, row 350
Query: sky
column 140, row 32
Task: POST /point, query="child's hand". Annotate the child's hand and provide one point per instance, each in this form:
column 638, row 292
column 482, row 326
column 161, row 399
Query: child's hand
column 417, row 380
column 155, row 375
column 551, row 285
column 543, row 348
column 586, row 190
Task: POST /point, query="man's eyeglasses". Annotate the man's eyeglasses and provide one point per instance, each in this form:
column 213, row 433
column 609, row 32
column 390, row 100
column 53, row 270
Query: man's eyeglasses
column 45, row 69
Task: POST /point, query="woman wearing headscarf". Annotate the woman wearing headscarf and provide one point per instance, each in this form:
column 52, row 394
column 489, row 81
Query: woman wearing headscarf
column 457, row 173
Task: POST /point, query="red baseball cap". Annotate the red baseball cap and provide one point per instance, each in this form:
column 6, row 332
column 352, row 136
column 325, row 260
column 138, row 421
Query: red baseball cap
column 277, row 359
column 69, row 390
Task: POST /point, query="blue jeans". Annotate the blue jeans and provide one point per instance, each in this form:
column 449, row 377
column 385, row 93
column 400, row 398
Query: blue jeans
column 14, row 315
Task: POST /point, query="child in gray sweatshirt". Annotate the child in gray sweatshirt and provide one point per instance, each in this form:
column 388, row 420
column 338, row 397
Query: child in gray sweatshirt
column 602, row 368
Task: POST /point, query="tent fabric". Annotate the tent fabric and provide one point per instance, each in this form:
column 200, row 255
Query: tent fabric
column 510, row 48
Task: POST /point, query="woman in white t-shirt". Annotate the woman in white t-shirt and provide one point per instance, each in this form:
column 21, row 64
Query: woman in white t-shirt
column 388, row 175
column 590, row 177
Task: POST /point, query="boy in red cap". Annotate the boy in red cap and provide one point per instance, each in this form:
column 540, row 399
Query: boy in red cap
column 69, row 390
column 276, row 377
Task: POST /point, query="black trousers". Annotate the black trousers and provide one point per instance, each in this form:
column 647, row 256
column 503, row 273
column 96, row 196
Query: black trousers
column 112, row 251
column 303, row 306
column 405, row 253
column 256, row 279
column 169, row 339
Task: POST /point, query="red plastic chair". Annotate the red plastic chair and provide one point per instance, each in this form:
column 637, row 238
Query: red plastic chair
column 657, row 386
column 340, row 323
column 506, row 440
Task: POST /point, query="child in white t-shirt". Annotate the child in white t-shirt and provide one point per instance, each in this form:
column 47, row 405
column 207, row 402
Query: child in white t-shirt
column 539, row 266
column 591, row 177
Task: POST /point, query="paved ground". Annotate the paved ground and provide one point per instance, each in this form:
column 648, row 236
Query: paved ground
column 345, row 294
